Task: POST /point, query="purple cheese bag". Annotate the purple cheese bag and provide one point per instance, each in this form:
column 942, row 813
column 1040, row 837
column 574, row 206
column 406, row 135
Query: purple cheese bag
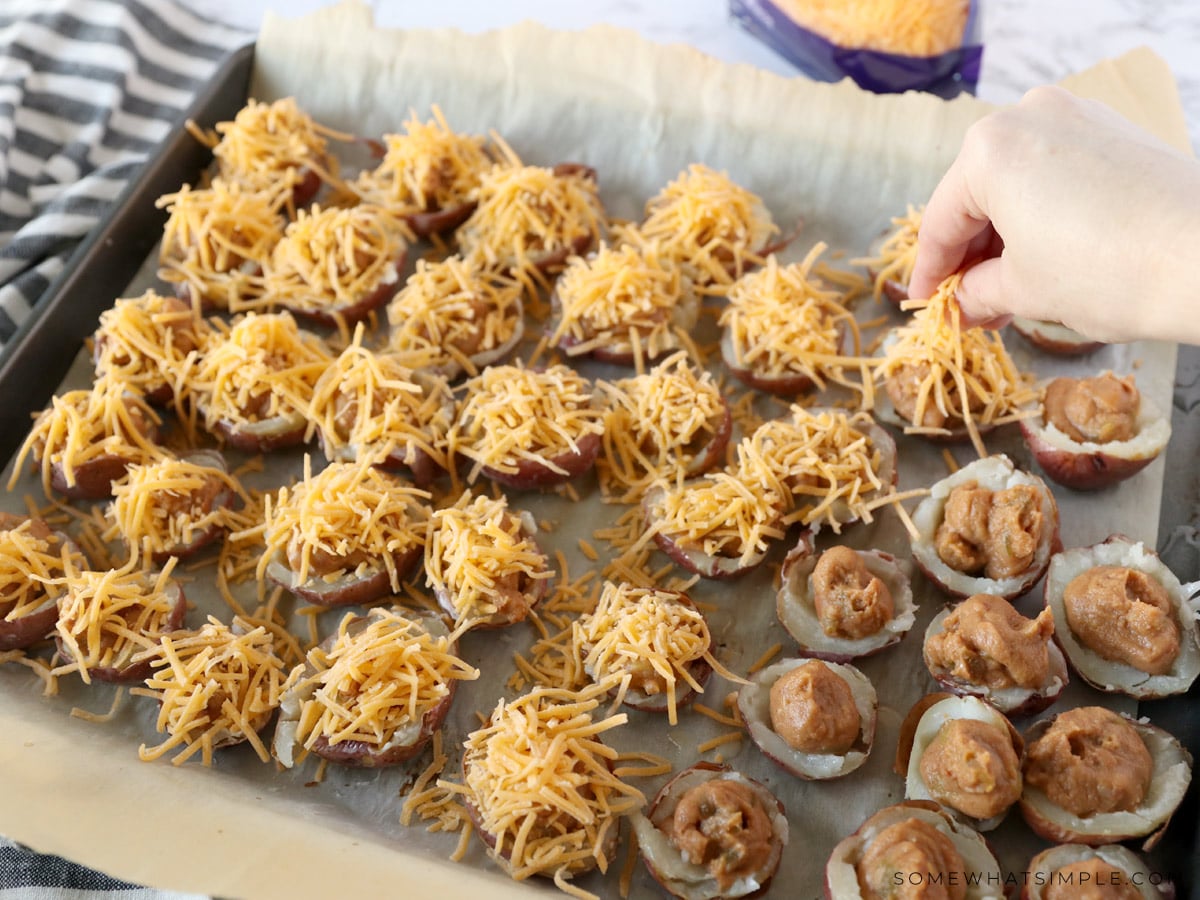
column 946, row 74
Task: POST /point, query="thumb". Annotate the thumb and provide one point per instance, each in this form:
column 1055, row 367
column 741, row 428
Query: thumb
column 981, row 297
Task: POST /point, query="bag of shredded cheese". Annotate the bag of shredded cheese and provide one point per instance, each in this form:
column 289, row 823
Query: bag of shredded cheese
column 886, row 46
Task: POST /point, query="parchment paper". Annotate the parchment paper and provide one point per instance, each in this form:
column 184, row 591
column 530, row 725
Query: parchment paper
column 841, row 160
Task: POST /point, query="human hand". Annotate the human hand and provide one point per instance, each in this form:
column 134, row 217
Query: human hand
column 1060, row 209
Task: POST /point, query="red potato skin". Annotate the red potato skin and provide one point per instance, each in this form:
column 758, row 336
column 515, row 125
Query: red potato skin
column 1030, row 707
column 895, row 292
column 367, row 756
column 306, row 188
column 27, row 630
column 533, row 474
column 718, row 568
column 137, row 672
column 419, row 464
column 359, row 310
column 359, row 592
column 781, row 385
column 797, row 557
column 290, row 434
column 93, row 479
column 714, row 451
column 439, row 221
column 1058, row 348
column 1080, row 471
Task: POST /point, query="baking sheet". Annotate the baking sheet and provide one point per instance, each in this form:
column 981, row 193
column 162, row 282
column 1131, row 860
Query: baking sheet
column 842, row 160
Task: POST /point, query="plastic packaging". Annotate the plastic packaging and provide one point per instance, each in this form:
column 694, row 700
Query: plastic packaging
column 946, row 74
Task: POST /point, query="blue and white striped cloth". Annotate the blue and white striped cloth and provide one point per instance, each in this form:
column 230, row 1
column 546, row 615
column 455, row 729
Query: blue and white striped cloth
column 87, row 90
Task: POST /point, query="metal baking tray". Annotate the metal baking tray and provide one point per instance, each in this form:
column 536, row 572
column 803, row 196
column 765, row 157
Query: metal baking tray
column 36, row 360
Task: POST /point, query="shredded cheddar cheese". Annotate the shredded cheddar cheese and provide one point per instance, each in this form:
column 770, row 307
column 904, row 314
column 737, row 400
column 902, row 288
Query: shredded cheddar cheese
column 512, row 416
column 539, row 779
column 940, row 376
column 658, row 427
column 528, row 215
column 450, row 313
column 108, row 619
column 785, row 322
column 86, row 426
column 215, row 686
column 377, row 680
column 150, row 342
column 33, row 560
column 483, row 560
column 165, row 506
column 429, row 167
column 907, row 27
column 350, row 519
column 333, row 261
column 264, row 368
column 623, row 299
column 832, row 470
column 898, row 252
column 272, row 144
column 216, row 241
column 707, row 224
column 372, row 406
column 649, row 638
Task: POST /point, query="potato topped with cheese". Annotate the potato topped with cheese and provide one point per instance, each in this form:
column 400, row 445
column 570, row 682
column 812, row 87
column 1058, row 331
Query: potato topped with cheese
column 256, row 382
column 483, row 562
column 539, row 787
column 428, row 175
column 625, row 305
column 33, row 560
column 109, row 622
column 276, row 148
column 785, row 330
column 336, row 265
column 670, row 422
column 528, row 428
column 655, row 641
column 374, row 692
column 835, row 467
column 216, row 242
column 216, row 686
column 530, row 219
column 86, row 439
column 718, row 525
column 369, row 405
column 151, row 343
column 948, row 382
column 348, row 534
column 453, row 317
column 174, row 506
column 711, row 227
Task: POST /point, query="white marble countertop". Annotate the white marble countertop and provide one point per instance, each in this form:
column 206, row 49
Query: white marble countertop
column 1027, row 42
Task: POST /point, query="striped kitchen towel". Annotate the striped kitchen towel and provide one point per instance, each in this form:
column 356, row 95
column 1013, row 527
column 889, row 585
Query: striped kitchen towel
column 25, row 875
column 87, row 89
